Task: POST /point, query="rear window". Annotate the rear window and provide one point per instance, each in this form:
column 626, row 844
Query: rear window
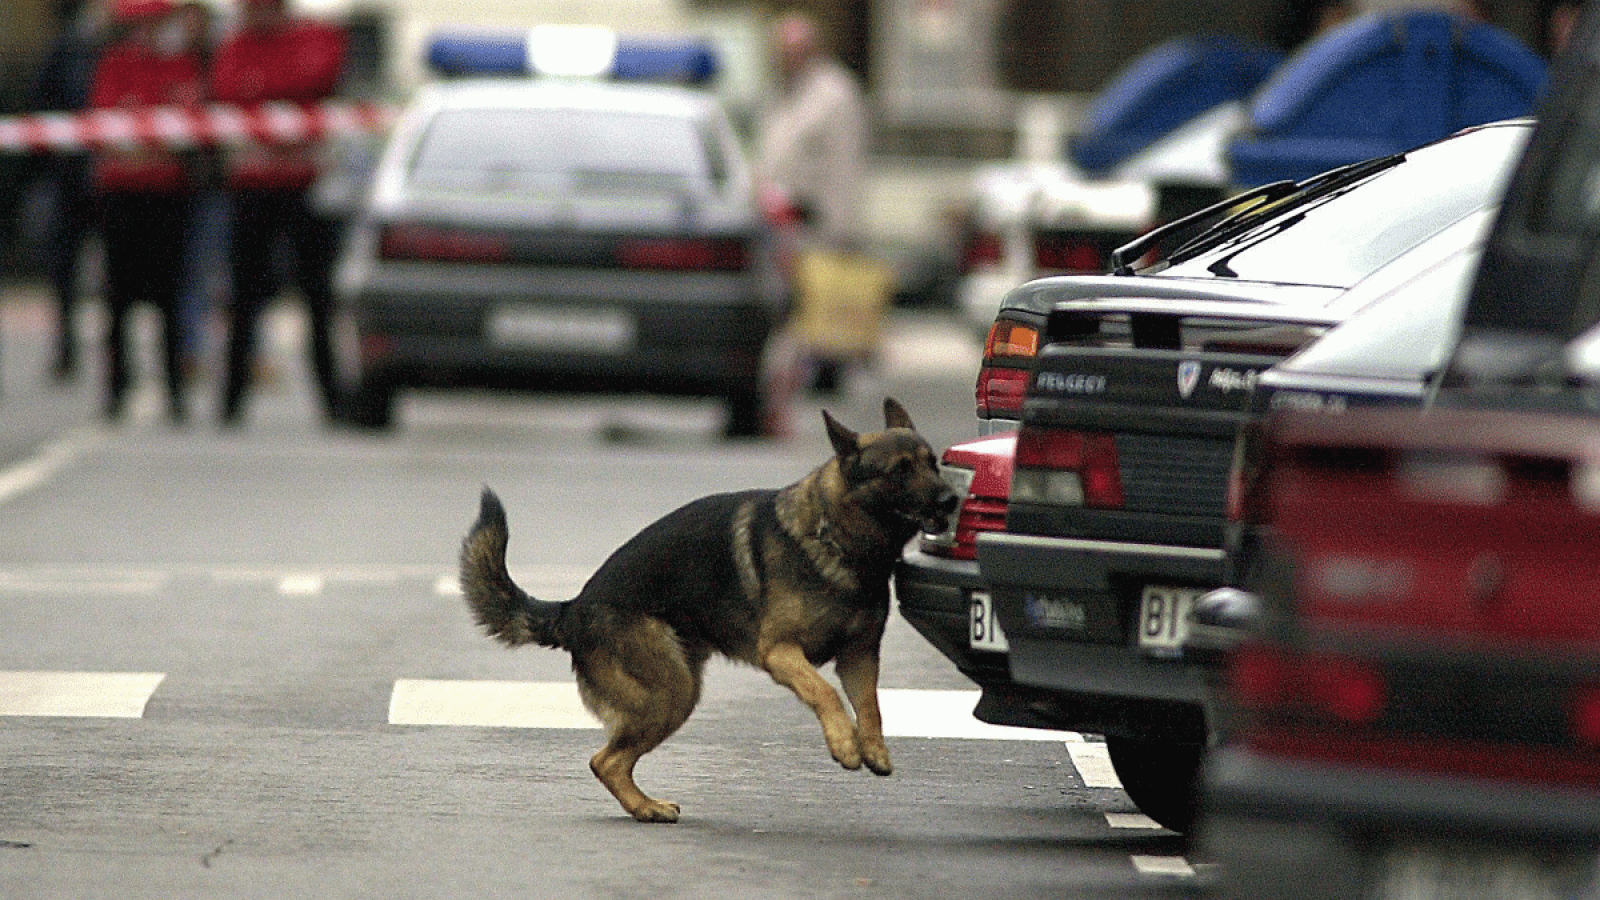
column 1338, row 240
column 561, row 150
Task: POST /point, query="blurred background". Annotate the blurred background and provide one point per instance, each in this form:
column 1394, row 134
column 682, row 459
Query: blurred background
column 951, row 84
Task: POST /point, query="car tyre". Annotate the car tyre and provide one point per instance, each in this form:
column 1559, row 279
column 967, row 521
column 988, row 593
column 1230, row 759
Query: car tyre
column 743, row 417
column 371, row 404
column 1159, row 777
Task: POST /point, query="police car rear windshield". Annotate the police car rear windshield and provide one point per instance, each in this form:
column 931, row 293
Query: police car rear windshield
column 1339, row 238
column 561, row 150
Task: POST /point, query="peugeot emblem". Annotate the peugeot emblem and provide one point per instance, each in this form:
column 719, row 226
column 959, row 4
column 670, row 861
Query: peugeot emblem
column 1188, row 377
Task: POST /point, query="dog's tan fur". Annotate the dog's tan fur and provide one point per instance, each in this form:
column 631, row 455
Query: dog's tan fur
column 785, row 580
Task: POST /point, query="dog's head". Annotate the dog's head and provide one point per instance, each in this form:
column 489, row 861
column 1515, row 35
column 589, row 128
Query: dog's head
column 892, row 474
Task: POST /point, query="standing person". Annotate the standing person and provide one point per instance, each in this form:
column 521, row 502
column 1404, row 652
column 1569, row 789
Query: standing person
column 275, row 57
column 812, row 158
column 205, row 273
column 62, row 84
column 812, row 146
column 145, row 194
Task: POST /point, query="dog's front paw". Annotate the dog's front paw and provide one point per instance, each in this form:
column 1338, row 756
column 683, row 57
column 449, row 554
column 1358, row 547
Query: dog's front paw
column 655, row 811
column 876, row 756
column 844, row 751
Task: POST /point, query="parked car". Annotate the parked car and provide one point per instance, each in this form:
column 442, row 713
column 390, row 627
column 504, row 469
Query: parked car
column 1411, row 692
column 559, row 235
column 1115, row 522
column 1326, row 232
column 1417, row 706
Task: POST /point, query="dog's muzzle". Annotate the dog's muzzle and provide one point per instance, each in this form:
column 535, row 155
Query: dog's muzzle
column 938, row 518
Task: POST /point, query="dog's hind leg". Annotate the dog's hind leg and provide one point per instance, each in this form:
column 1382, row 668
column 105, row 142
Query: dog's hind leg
column 858, row 673
column 787, row 664
column 642, row 687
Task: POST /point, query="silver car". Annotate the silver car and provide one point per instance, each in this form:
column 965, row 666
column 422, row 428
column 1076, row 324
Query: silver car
column 557, row 235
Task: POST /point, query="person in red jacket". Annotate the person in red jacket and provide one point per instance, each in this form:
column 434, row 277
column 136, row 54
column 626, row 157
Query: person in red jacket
column 273, row 57
column 145, row 193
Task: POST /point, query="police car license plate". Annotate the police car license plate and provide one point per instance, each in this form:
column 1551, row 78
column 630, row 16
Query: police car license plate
column 571, row 329
column 1164, row 618
column 1426, row 872
column 985, row 633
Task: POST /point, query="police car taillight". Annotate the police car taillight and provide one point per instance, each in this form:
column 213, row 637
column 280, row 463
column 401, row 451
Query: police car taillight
column 575, row 51
column 427, row 243
column 1067, row 468
column 684, row 254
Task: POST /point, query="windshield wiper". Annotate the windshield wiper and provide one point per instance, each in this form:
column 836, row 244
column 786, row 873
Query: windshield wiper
column 1302, row 192
column 1137, row 247
column 1314, row 188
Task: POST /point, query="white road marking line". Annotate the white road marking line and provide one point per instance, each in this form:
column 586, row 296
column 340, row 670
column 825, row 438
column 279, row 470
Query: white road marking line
column 1167, row 866
column 555, row 704
column 1131, row 820
column 948, row 714
column 488, row 704
column 43, row 465
column 117, row 695
column 300, row 585
column 1094, row 765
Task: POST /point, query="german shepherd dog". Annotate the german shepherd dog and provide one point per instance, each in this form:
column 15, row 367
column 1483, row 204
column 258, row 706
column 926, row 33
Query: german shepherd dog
column 786, row 580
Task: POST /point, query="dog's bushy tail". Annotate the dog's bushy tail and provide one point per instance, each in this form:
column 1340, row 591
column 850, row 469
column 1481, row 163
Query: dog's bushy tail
column 506, row 612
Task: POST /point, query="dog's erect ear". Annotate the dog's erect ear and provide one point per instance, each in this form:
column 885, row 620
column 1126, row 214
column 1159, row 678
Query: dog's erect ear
column 895, row 416
column 846, row 443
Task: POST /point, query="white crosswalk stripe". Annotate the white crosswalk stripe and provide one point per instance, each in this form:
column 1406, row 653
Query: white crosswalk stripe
column 118, row 695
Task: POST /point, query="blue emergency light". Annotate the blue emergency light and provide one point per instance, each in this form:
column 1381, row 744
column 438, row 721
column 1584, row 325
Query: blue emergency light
column 577, row 51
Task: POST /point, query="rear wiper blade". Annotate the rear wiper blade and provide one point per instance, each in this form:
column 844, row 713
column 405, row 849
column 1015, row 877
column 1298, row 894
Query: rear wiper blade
column 1313, row 188
column 1136, row 248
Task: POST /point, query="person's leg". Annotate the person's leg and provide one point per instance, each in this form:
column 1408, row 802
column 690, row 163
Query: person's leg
column 314, row 240
column 252, row 276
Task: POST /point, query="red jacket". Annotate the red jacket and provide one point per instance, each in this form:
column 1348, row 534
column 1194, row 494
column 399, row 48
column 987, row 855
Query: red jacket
column 131, row 75
column 300, row 61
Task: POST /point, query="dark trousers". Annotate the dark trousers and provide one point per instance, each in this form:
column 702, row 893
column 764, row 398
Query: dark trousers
column 73, row 218
column 260, row 219
column 144, row 240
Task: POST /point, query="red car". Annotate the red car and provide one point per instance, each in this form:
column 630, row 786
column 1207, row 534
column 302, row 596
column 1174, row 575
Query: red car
column 942, row 595
column 1415, row 709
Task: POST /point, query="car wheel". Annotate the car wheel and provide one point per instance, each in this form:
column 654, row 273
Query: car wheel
column 371, row 405
column 1159, row 777
column 743, row 415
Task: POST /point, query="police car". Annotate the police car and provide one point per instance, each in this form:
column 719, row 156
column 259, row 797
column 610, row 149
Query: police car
column 568, row 211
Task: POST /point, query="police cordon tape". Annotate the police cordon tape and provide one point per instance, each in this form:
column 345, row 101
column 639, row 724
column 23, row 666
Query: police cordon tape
column 191, row 127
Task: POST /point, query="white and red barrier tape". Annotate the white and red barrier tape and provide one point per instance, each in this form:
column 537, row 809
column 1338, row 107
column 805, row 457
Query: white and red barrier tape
column 190, row 127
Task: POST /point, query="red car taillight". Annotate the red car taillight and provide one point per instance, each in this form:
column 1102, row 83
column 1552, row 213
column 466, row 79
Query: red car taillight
column 1324, row 687
column 1003, row 379
column 1584, row 711
column 977, row 515
column 979, row 249
column 1065, row 253
column 684, row 254
column 428, row 243
column 1067, row 468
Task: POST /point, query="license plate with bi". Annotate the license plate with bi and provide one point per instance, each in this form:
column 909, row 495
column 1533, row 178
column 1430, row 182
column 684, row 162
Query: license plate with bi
column 1164, row 618
column 985, row 633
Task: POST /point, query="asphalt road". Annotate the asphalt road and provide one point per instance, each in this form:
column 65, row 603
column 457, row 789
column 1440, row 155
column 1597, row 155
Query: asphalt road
column 234, row 664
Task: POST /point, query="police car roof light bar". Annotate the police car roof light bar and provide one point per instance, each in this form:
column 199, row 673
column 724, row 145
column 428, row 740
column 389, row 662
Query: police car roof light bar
column 574, row 51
